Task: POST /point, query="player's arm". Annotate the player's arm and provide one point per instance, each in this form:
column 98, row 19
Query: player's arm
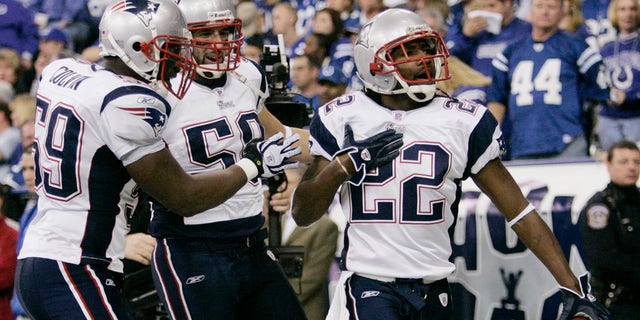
column 160, row 175
column 498, row 184
column 318, row 186
column 272, row 125
column 498, row 110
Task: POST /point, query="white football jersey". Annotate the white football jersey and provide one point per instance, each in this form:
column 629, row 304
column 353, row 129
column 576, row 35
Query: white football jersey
column 400, row 216
column 90, row 124
column 207, row 131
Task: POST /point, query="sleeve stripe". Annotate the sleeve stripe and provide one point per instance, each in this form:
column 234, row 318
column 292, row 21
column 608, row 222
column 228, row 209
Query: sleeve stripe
column 587, row 59
column 500, row 62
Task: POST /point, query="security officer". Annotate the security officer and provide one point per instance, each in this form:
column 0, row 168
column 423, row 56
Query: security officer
column 610, row 226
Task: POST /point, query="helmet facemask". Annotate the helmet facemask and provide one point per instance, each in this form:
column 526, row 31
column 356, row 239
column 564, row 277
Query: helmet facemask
column 405, row 49
column 152, row 39
column 223, row 53
column 173, row 56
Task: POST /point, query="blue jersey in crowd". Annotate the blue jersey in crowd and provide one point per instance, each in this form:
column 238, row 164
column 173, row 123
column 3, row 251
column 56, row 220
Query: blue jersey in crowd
column 481, row 49
column 539, row 82
column 622, row 61
column 18, row 30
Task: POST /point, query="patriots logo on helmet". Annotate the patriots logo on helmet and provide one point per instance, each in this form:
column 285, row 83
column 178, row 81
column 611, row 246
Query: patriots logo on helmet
column 143, row 9
column 152, row 116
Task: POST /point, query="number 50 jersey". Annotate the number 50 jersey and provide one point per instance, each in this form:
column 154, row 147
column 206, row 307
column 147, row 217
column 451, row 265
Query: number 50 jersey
column 400, row 215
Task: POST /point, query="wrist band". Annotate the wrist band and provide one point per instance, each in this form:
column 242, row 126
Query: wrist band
column 521, row 215
column 287, row 131
column 343, row 167
column 248, row 167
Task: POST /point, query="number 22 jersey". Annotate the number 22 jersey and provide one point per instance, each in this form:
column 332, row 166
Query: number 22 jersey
column 399, row 217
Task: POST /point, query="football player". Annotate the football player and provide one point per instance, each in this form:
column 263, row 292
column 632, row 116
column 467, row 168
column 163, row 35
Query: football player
column 96, row 129
column 398, row 171
column 204, row 267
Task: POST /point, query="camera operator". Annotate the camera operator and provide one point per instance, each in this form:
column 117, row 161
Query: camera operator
column 319, row 242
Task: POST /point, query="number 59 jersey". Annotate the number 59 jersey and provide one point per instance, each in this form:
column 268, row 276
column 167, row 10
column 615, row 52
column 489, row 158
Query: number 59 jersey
column 400, row 215
column 90, row 124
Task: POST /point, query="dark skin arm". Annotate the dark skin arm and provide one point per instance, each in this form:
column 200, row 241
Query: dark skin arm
column 319, row 184
column 160, row 175
column 498, row 184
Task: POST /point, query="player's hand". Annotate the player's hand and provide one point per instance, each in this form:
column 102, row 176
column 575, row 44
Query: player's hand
column 139, row 247
column 371, row 153
column 582, row 303
column 271, row 156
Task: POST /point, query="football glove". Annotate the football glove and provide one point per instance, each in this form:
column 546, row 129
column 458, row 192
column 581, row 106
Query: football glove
column 581, row 304
column 271, row 156
column 370, row 153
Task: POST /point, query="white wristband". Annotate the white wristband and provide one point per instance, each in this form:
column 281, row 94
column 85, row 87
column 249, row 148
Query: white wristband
column 521, row 215
column 248, row 167
column 287, row 131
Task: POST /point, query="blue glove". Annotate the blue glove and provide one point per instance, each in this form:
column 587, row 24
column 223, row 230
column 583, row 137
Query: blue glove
column 370, row 153
column 582, row 304
column 270, row 156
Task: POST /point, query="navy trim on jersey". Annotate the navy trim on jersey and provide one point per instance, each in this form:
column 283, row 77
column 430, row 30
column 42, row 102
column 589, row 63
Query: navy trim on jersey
column 263, row 83
column 123, row 91
column 480, row 139
column 318, row 130
column 345, row 247
column 104, row 195
column 168, row 224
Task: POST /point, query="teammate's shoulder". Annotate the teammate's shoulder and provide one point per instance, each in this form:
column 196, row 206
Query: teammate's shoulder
column 249, row 68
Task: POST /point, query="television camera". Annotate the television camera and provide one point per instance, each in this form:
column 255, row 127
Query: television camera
column 288, row 108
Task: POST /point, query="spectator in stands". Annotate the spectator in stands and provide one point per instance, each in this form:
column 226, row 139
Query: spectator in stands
column 333, row 83
column 538, row 79
column 320, row 243
column 599, row 26
column 573, row 20
column 369, row 8
column 304, row 77
column 317, row 45
column 284, row 17
column 475, row 43
column 28, row 172
column 23, row 111
column 621, row 120
column 328, row 22
column 10, row 70
column 9, row 138
column 465, row 83
column 18, row 30
column 252, row 48
column 609, row 225
column 52, row 45
column 72, row 17
column 8, row 260
column 349, row 14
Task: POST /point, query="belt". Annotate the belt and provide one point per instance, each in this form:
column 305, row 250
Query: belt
column 395, row 280
column 248, row 241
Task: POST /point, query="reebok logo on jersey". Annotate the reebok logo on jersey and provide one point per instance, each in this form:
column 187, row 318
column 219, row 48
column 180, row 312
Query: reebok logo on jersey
column 369, row 294
column 110, row 283
column 195, row 279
